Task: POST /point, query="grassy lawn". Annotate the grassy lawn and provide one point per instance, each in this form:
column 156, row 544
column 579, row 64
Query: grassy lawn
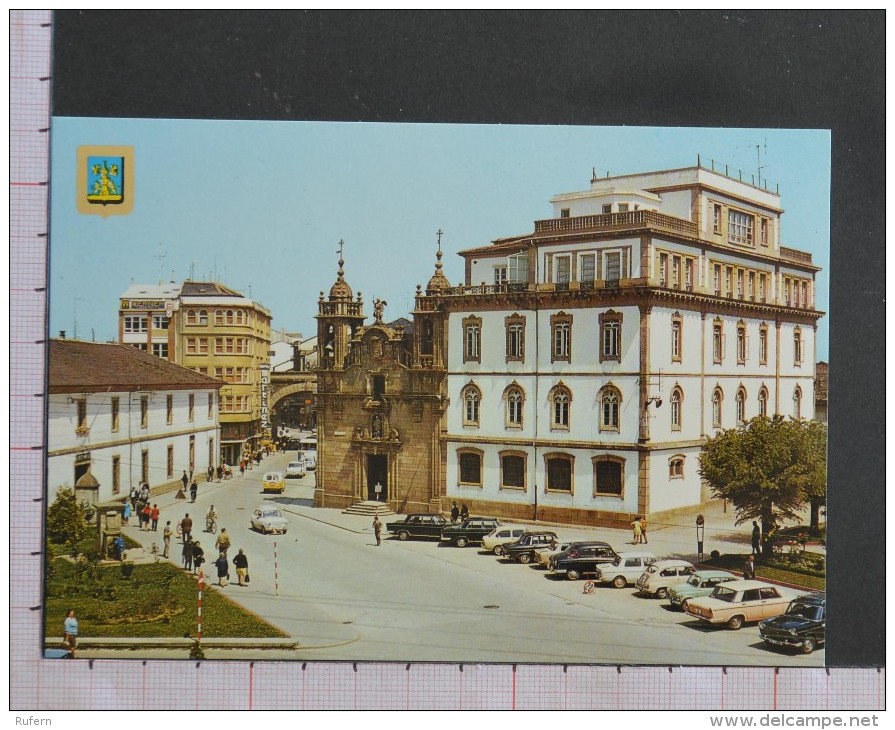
column 735, row 562
column 155, row 600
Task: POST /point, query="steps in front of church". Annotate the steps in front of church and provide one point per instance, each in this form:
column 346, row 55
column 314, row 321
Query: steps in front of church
column 368, row 508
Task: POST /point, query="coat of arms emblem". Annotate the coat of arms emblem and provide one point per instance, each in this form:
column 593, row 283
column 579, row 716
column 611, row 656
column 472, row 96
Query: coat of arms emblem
column 105, row 180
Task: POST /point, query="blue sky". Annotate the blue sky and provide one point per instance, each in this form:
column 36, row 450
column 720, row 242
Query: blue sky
column 261, row 206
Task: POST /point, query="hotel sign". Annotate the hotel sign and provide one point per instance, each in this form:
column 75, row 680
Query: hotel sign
column 265, row 385
column 143, row 304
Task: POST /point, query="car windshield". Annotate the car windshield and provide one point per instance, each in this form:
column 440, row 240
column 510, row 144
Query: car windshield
column 724, row 594
column 693, row 580
column 812, row 613
column 652, row 568
column 271, row 513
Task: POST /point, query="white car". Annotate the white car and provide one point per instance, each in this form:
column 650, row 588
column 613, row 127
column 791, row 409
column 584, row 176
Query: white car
column 295, row 469
column 627, row 568
column 500, row 536
column 662, row 575
column 310, row 461
column 268, row 520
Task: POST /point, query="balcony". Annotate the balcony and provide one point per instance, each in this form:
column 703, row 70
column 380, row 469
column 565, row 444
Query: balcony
column 635, row 219
column 803, row 257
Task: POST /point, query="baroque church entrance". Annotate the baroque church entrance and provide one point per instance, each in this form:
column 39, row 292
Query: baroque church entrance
column 377, row 473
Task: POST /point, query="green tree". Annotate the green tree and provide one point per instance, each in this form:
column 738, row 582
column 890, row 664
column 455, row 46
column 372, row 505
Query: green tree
column 768, row 469
column 65, row 519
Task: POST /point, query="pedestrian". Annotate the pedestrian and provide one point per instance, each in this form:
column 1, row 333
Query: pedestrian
column 749, row 568
column 223, row 542
column 126, row 512
column 134, row 495
column 194, row 490
column 70, row 633
column 223, row 569
column 378, row 491
column 198, row 556
column 144, row 492
column 464, row 512
column 118, row 545
column 187, row 555
column 185, row 479
column 145, row 517
column 186, row 527
column 242, row 567
column 242, row 467
column 220, row 472
column 638, row 530
column 211, row 520
column 643, row 530
column 166, row 536
column 455, row 512
column 377, row 529
column 154, row 515
column 756, row 538
column 209, row 475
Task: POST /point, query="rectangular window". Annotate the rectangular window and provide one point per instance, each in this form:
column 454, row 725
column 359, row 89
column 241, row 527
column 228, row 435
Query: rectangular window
column 116, row 474
column 741, row 345
column 144, row 465
column 676, row 272
column 160, row 349
column 218, row 345
column 190, row 345
column 564, row 212
column 607, row 208
column 797, row 348
column 230, row 346
column 192, row 407
column 688, row 274
column 471, row 468
column 764, row 231
column 169, row 409
column 728, row 282
column 717, row 344
column 763, row 346
column 144, row 411
column 203, row 345
column 716, row 218
column 676, row 325
column 515, row 338
column 561, row 337
column 517, row 266
column 210, row 406
column 750, row 292
column 500, row 274
column 512, row 472
column 623, row 207
column 663, row 269
column 135, row 323
column 116, row 410
column 588, row 267
column 559, row 474
column 563, row 269
column 159, row 322
column 717, row 280
column 610, row 336
column 762, row 287
column 740, row 292
column 608, row 478
column 170, row 462
column 472, row 339
column 739, row 228
column 613, row 267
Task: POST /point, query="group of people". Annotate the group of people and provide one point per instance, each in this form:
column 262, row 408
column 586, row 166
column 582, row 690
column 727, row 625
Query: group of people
column 137, row 504
column 459, row 513
column 221, row 472
column 639, row 528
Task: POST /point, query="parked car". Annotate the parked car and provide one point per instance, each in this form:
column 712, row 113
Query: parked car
column 523, row 550
column 310, row 461
column 803, row 625
column 583, row 559
column 739, row 602
column 295, row 469
column 273, row 482
column 625, row 569
column 472, row 529
column 662, row 575
column 420, row 524
column 495, row 540
column 697, row 585
column 268, row 520
column 544, row 555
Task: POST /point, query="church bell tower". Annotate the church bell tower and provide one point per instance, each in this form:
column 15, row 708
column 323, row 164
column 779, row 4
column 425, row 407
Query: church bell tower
column 338, row 318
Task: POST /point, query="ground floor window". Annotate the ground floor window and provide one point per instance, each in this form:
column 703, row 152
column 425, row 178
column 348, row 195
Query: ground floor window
column 512, row 471
column 559, row 472
column 470, row 468
column 609, row 473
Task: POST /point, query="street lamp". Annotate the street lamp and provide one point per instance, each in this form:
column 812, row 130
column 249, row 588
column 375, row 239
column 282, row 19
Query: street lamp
column 700, row 534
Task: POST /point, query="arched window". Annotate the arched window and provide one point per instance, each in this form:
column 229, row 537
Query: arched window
column 797, row 346
column 763, row 344
column 561, row 399
column 717, row 341
column 677, row 326
column 471, row 398
column 472, row 339
column 676, row 467
column 203, row 317
column 191, row 316
column 515, row 398
column 797, row 403
column 218, row 317
column 610, row 398
column 741, row 343
column 677, row 397
column 717, row 402
column 763, row 402
column 741, row 405
column 229, row 316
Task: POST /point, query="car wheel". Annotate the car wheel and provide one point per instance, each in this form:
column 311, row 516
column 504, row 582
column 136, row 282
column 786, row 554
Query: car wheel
column 462, row 542
column 619, row 581
column 735, row 623
column 499, row 551
column 684, row 605
column 808, row 646
column 525, row 558
column 572, row 574
column 403, row 535
column 662, row 593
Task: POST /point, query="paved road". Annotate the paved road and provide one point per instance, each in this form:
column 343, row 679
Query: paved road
column 343, row 597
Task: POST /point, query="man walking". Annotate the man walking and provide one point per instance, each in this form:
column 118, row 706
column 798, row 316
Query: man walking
column 749, row 568
column 756, row 538
column 185, row 480
column 377, row 529
column 194, row 490
column 242, row 567
column 186, row 528
column 166, row 536
column 154, row 515
column 223, row 542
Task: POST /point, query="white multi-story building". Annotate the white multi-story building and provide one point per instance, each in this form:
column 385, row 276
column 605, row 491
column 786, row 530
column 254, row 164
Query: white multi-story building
column 126, row 417
column 588, row 361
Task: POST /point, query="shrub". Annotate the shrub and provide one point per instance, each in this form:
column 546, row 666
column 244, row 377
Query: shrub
column 65, row 519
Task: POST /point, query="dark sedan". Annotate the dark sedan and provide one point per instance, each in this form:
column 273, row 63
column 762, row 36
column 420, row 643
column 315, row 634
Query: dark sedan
column 583, row 559
column 472, row 529
column 523, row 550
column 418, row 525
column 803, row 626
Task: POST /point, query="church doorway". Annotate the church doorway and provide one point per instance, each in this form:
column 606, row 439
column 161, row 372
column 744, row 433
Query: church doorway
column 377, row 473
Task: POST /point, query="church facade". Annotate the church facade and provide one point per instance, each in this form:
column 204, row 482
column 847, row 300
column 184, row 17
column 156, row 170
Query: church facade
column 577, row 371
